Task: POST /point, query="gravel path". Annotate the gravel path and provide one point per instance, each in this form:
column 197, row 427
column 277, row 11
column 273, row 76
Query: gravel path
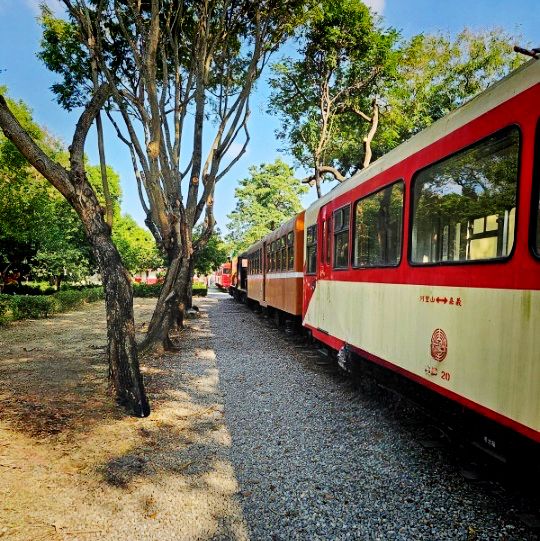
column 317, row 457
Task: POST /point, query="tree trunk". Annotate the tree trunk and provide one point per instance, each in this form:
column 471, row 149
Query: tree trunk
column 124, row 371
column 166, row 311
column 183, row 287
column 189, row 286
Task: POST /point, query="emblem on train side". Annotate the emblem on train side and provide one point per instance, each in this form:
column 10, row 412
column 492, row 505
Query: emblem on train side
column 439, row 345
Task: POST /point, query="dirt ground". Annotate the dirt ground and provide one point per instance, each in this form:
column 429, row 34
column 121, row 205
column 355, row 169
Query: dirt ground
column 74, row 466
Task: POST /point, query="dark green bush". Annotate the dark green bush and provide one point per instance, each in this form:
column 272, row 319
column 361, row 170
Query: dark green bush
column 25, row 289
column 69, row 299
column 153, row 290
column 14, row 307
column 146, row 290
column 200, row 291
column 5, row 308
column 32, row 306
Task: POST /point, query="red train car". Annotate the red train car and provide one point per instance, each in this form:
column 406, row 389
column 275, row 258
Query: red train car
column 428, row 261
column 223, row 276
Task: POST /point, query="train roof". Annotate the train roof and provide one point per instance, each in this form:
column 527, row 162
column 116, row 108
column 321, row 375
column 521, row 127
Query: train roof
column 513, row 84
column 284, row 228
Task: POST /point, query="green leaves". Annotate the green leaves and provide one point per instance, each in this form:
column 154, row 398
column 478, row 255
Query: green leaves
column 345, row 58
column 269, row 197
column 212, row 255
column 437, row 74
column 136, row 245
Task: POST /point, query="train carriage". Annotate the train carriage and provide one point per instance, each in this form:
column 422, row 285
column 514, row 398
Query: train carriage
column 427, row 262
column 284, row 250
column 274, row 269
column 223, row 276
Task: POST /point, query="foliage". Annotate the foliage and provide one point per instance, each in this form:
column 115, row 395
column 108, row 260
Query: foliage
column 146, row 290
column 136, row 245
column 40, row 233
column 264, row 200
column 213, row 255
column 326, row 98
column 437, row 74
column 15, row 307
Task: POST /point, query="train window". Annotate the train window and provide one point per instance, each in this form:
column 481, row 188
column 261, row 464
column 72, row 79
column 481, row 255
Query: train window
column 290, row 251
column 341, row 237
column 378, row 220
column 328, row 240
column 283, row 243
column 535, row 216
column 464, row 207
column 273, row 257
column 311, row 249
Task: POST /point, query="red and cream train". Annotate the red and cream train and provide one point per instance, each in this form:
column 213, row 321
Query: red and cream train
column 428, row 261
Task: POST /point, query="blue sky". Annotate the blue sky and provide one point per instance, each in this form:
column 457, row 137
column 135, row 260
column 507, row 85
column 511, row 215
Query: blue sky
column 28, row 79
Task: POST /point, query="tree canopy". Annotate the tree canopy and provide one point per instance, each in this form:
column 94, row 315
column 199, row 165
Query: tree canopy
column 357, row 90
column 264, row 200
column 327, row 98
column 437, row 74
column 214, row 254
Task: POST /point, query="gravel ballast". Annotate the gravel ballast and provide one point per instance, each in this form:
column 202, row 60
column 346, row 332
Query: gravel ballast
column 320, row 457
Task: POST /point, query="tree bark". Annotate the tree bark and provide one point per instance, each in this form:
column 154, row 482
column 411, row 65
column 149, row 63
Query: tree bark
column 189, row 285
column 165, row 315
column 124, row 371
column 371, row 133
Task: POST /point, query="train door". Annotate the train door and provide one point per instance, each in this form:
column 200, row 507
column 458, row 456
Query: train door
column 313, row 254
column 325, row 226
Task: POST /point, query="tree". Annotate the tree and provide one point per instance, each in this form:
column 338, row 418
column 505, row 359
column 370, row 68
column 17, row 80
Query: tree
column 212, row 256
column 174, row 68
column 437, row 74
column 264, row 200
column 136, row 245
column 328, row 97
column 72, row 182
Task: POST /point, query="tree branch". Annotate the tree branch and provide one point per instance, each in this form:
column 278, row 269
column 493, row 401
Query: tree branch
column 52, row 171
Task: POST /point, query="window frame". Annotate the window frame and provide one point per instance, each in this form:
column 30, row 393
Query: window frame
column 314, row 243
column 290, row 251
column 284, row 259
column 534, row 241
column 493, row 260
column 393, row 266
column 333, row 251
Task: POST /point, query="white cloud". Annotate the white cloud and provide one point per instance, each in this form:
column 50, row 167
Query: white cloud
column 57, row 7
column 376, row 5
